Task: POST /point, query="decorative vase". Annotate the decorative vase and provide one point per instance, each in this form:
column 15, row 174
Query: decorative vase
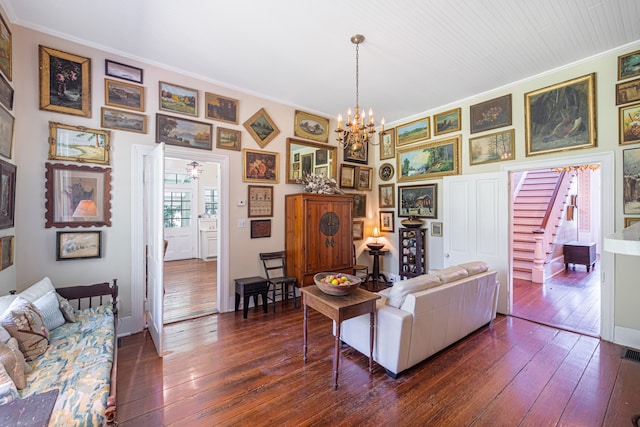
column 411, row 222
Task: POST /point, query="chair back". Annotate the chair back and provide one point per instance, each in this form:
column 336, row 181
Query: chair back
column 275, row 264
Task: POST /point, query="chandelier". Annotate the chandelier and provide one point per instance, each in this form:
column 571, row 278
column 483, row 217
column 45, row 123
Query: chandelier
column 358, row 130
column 194, row 169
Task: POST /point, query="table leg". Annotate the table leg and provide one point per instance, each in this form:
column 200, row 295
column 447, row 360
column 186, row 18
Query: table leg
column 237, row 301
column 372, row 322
column 306, row 314
column 264, row 301
column 336, row 356
column 245, row 306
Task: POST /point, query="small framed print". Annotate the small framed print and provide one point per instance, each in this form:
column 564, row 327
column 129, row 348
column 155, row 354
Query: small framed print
column 629, row 65
column 123, row 95
column 436, row 229
column 627, row 92
column 7, row 123
column 630, row 221
column 6, row 251
column 228, row 139
column 629, row 126
column 78, row 144
column 446, row 122
column 178, row 99
column 492, row 114
column 261, row 128
column 388, row 144
column 122, row 71
column 6, row 55
column 221, row 108
column 359, row 205
column 123, row 120
column 358, row 230
column 364, row 179
column 260, row 228
column 260, row 201
column 347, row 176
column 261, row 166
column 386, row 222
column 387, row 196
column 78, row 245
column 65, row 82
column 7, row 194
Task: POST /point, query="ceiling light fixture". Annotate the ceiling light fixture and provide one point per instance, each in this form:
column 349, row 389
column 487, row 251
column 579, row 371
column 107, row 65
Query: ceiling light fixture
column 359, row 131
column 194, row 169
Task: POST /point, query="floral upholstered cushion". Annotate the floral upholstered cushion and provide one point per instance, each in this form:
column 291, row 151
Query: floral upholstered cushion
column 26, row 324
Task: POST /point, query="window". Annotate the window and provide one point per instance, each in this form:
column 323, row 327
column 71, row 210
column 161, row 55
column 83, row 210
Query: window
column 211, row 201
column 177, row 209
column 177, row 178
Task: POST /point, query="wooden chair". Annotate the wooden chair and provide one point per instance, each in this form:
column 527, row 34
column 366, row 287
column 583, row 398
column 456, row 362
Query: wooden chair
column 359, row 268
column 275, row 268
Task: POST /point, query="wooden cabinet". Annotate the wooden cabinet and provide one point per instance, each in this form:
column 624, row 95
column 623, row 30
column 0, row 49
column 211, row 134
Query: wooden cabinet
column 318, row 235
column 413, row 253
column 580, row 253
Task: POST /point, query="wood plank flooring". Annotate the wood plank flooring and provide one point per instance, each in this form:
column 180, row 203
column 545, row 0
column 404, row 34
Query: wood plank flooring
column 570, row 300
column 226, row 371
column 190, row 287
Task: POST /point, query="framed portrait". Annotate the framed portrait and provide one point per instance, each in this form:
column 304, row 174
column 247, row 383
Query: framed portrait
column 123, row 95
column 495, row 147
column 78, row 144
column 631, row 182
column 418, row 200
column 221, row 108
column 386, row 196
column 415, row 131
column 446, row 122
column 260, row 228
column 7, row 194
column 122, row 71
column 183, row 132
column 436, row 229
column 7, row 124
column 387, row 144
column 6, row 93
column 310, row 126
column 627, row 92
column 228, row 139
column 347, row 176
column 77, row 196
column 359, row 205
column 429, row 160
column 629, row 65
column 260, row 200
column 261, row 128
column 561, row 117
column 630, row 221
column 387, row 224
column 358, row 230
column 492, row 114
column 364, row 178
column 260, row 166
column 178, row 99
column 6, row 251
column 358, row 156
column 123, row 120
column 78, row 245
column 65, row 82
column 629, row 126
column 6, row 55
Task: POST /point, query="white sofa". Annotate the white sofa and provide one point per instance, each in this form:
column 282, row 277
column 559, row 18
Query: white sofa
column 418, row 317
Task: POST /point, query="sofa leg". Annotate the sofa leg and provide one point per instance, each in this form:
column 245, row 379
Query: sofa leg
column 392, row 374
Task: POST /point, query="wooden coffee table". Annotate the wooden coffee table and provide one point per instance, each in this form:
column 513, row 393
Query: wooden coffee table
column 339, row 309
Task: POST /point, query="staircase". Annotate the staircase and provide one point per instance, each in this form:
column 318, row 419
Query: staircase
column 530, row 207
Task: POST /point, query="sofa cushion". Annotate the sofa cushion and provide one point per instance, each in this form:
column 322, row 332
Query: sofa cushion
column 5, row 302
column 26, row 324
column 37, row 290
column 8, row 392
column 13, row 362
column 66, row 309
column 50, row 309
column 402, row 288
column 451, row 274
column 4, row 335
column 475, row 267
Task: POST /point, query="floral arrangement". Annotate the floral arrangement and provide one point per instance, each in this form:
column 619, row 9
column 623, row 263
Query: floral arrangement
column 313, row 183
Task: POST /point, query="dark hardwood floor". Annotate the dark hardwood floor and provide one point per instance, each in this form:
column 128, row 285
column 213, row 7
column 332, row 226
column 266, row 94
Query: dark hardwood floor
column 226, row 370
column 190, row 287
column 569, row 300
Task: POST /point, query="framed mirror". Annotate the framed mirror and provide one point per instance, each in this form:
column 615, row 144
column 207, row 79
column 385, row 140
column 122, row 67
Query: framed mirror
column 308, row 157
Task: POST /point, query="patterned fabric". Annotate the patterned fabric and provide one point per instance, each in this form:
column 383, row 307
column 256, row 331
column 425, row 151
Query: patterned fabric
column 8, row 392
column 26, row 324
column 66, row 309
column 4, row 335
column 77, row 363
column 50, row 309
column 13, row 361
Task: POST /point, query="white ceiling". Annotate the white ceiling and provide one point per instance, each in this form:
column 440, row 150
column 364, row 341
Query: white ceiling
column 418, row 54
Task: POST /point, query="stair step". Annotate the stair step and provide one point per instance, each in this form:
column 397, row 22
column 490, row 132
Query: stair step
column 532, row 199
column 522, row 265
column 525, row 220
column 538, row 187
column 526, row 238
column 522, row 275
column 524, row 246
column 530, row 206
column 524, row 213
column 524, row 228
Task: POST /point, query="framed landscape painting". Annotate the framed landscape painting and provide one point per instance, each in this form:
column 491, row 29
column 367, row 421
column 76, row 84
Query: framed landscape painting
column 65, row 82
column 123, row 120
column 178, row 99
column 495, row 147
column 418, row 200
column 417, row 130
column 261, row 128
column 78, row 245
column 629, row 65
column 358, row 230
column 6, row 54
column 310, row 126
column 6, row 93
column 446, row 122
column 228, row 139
column 429, row 160
column 7, row 124
column 183, row 132
column 122, row 71
column 631, row 180
column 492, row 114
column 627, row 92
column 221, row 108
column 629, row 126
column 123, row 95
column 6, row 251
column 78, row 144
column 7, row 194
column 561, row 117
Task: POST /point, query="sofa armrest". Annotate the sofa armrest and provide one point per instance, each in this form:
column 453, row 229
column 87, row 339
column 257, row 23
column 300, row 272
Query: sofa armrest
column 98, row 290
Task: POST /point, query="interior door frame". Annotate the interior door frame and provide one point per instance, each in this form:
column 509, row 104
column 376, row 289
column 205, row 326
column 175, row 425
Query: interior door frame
column 192, row 188
column 136, row 322
column 607, row 225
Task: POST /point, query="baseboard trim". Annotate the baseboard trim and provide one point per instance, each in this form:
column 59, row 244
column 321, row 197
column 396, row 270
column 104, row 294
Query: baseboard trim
column 627, row 337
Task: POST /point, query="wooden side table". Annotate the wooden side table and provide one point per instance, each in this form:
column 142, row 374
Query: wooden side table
column 248, row 287
column 339, row 309
column 375, row 275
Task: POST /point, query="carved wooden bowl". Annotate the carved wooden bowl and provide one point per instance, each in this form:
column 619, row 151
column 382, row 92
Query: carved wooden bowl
column 337, row 290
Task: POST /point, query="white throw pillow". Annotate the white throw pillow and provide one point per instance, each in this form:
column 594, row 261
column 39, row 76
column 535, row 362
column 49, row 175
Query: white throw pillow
column 37, row 290
column 402, row 288
column 50, row 309
column 4, row 335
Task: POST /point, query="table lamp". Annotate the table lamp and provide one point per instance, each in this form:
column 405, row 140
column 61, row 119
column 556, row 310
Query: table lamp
column 375, row 246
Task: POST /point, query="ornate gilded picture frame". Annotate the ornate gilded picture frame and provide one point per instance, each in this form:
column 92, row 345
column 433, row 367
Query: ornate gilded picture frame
column 123, row 95
column 65, row 82
column 310, row 126
column 178, row 99
column 78, row 144
column 447, row 122
column 260, row 166
column 221, row 108
column 492, row 114
column 261, row 128
column 415, row 131
column 429, row 160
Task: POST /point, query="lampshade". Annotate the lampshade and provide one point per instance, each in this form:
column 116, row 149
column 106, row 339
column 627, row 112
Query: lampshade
column 375, row 233
column 86, row 208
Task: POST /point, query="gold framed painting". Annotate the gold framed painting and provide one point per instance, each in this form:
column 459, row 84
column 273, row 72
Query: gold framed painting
column 447, row 122
column 260, row 166
column 492, row 114
column 78, row 144
column 123, row 120
column 429, row 160
column 495, row 147
column 221, row 108
column 65, row 82
column 364, row 178
column 629, row 221
column 629, row 65
column 561, row 117
column 6, row 251
column 629, row 126
column 123, row 95
column 386, row 195
column 6, row 55
column 228, row 139
column 261, row 127
column 415, row 131
column 178, row 99
column 310, row 126
column 388, row 144
column 358, row 230
column 347, row 176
